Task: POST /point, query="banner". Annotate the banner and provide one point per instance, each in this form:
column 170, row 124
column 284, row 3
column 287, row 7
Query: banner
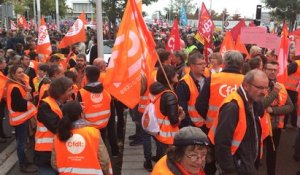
column 173, row 43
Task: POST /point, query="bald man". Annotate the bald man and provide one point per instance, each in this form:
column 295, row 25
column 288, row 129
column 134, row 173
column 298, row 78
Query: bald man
column 236, row 133
column 100, row 64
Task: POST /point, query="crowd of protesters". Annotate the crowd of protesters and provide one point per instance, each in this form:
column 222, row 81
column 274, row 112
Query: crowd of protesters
column 215, row 112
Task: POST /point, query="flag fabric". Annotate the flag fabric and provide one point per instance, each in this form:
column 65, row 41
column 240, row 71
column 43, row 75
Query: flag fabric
column 205, row 24
column 236, row 30
column 252, row 24
column 227, row 43
column 13, row 26
column 241, row 47
column 283, row 55
column 22, row 22
column 173, row 43
column 75, row 34
column 133, row 54
column 3, row 80
column 183, row 18
column 43, row 44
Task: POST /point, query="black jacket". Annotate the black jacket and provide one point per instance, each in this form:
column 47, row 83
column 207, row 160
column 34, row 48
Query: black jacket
column 247, row 155
column 168, row 102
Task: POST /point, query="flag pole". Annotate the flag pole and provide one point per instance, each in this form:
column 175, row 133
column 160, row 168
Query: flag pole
column 99, row 28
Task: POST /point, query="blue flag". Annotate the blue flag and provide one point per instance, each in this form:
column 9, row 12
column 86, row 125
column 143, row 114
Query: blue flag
column 183, row 18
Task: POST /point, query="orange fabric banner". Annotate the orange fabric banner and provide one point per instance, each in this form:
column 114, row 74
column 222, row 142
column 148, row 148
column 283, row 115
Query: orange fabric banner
column 75, row 34
column 133, row 54
column 241, row 47
column 3, row 80
column 43, row 44
column 227, row 43
column 283, row 55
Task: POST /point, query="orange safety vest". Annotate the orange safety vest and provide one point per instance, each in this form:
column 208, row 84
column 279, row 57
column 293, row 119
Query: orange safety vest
column 241, row 127
column 17, row 118
column 43, row 137
column 293, row 79
column 196, row 118
column 222, row 84
column 167, row 131
column 282, row 98
column 79, row 154
column 96, row 107
column 144, row 99
column 207, row 72
column 43, row 90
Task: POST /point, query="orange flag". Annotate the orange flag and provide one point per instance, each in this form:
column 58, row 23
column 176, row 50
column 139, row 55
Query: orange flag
column 227, row 43
column 283, row 55
column 3, row 80
column 75, row 34
column 43, row 44
column 22, row 22
column 241, row 47
column 133, row 54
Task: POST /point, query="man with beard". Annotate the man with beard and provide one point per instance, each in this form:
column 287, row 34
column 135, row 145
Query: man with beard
column 79, row 68
column 236, row 132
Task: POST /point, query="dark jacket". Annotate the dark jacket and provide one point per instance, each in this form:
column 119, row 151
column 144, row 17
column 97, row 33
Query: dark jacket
column 247, row 155
column 95, row 87
column 50, row 120
column 183, row 93
column 168, row 102
column 203, row 98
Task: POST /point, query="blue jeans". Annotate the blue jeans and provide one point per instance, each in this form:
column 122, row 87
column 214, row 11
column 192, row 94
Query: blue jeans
column 21, row 139
column 297, row 145
column 46, row 170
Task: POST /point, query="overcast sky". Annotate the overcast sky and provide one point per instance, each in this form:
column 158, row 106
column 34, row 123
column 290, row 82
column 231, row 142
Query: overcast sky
column 246, row 8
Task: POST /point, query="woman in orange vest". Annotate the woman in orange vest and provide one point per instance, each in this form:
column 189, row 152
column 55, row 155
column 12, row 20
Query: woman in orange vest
column 166, row 109
column 79, row 148
column 48, row 117
column 187, row 156
column 20, row 111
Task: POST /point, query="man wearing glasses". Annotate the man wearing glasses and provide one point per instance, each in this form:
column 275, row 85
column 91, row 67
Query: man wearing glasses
column 236, row 132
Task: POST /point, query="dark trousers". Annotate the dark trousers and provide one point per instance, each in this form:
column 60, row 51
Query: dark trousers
column 270, row 152
column 120, row 114
column 293, row 115
column 2, row 115
column 21, row 139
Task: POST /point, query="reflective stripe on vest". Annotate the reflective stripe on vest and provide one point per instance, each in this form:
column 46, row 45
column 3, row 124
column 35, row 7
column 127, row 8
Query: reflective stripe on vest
column 162, row 121
column 41, row 129
column 80, row 170
column 44, row 140
column 22, row 115
column 97, row 114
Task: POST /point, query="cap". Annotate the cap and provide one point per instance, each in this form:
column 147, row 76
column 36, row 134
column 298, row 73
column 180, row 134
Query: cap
column 190, row 136
column 72, row 108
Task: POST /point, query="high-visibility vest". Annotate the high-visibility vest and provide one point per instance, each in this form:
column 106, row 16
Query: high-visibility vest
column 222, row 84
column 196, row 118
column 96, row 107
column 282, row 98
column 162, row 168
column 189, row 49
column 43, row 90
column 241, row 126
column 43, row 137
column 293, row 79
column 144, row 99
column 15, row 117
column 79, row 154
column 100, row 79
column 167, row 131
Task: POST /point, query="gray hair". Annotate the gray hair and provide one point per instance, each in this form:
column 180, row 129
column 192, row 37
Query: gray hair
column 233, row 58
column 249, row 77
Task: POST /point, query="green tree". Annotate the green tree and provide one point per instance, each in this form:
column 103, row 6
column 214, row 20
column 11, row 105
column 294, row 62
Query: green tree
column 214, row 15
column 284, row 10
column 236, row 16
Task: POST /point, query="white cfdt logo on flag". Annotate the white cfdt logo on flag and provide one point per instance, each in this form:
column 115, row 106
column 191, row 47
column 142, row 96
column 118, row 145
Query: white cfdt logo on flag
column 96, row 98
column 75, row 144
column 171, row 43
column 225, row 90
column 76, row 28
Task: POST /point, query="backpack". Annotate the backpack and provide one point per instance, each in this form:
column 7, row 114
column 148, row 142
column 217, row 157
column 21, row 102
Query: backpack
column 149, row 118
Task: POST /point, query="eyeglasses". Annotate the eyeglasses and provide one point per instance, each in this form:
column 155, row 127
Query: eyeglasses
column 195, row 157
column 272, row 70
column 259, row 87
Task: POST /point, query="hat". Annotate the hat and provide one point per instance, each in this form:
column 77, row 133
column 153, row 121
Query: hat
column 72, row 108
column 190, row 136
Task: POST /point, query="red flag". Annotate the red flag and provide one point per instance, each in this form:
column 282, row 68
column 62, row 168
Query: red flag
column 43, row 44
column 3, row 80
column 173, row 43
column 236, row 30
column 283, row 55
column 133, row 54
column 252, row 24
column 75, row 34
column 22, row 22
column 227, row 43
column 205, row 24
column 13, row 25
column 241, row 47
